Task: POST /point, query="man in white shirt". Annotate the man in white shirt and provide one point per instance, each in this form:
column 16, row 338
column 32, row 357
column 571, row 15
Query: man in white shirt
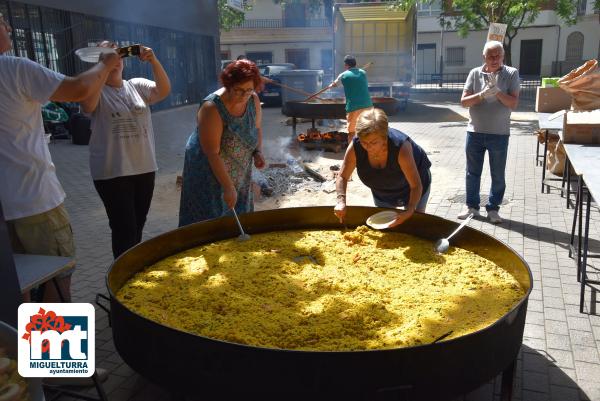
column 30, row 193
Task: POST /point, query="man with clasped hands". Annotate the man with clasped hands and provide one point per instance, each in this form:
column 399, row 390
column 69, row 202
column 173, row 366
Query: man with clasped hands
column 491, row 92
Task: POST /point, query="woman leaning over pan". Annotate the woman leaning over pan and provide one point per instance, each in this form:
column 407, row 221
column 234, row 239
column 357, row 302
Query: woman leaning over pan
column 217, row 171
column 390, row 163
column 122, row 158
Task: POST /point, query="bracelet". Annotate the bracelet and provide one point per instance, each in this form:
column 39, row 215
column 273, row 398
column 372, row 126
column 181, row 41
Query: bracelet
column 341, row 196
column 480, row 95
column 255, row 152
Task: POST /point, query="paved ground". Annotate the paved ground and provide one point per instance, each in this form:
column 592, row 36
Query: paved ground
column 560, row 357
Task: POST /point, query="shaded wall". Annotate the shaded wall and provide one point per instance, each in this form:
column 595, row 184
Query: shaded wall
column 187, row 49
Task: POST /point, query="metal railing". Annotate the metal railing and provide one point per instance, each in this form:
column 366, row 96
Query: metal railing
column 282, row 23
column 529, row 87
column 455, row 82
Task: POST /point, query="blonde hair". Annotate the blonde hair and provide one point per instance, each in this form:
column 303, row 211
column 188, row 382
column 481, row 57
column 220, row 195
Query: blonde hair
column 372, row 121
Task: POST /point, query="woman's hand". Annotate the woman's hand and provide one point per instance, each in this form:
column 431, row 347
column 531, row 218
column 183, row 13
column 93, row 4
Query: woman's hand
column 340, row 210
column 147, row 54
column 230, row 197
column 402, row 217
column 259, row 160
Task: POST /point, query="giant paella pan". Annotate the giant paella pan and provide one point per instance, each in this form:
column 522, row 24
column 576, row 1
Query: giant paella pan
column 208, row 368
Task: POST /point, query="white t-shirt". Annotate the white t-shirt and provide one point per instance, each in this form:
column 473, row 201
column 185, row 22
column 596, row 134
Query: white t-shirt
column 28, row 182
column 122, row 141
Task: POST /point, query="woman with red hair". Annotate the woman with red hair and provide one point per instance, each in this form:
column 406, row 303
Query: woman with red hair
column 217, row 171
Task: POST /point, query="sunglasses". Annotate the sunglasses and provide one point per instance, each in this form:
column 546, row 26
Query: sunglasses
column 242, row 92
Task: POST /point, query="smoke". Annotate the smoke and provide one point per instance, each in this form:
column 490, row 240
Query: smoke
column 277, row 149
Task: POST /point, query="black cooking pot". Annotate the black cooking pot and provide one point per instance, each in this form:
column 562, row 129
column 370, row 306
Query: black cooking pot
column 335, row 108
column 218, row 370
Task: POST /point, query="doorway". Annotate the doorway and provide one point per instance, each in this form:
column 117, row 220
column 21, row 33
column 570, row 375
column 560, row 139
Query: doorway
column 426, row 61
column 530, row 61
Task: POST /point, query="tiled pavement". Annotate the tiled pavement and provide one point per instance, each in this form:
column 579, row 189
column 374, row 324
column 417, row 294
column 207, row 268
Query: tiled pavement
column 560, row 357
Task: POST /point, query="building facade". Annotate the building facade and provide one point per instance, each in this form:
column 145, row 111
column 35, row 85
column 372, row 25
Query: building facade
column 546, row 48
column 274, row 34
column 296, row 34
column 49, row 31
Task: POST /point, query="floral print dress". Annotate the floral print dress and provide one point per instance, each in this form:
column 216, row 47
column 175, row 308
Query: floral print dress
column 201, row 193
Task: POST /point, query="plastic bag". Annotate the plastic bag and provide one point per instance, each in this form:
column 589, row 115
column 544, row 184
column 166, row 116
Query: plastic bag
column 583, row 84
column 52, row 112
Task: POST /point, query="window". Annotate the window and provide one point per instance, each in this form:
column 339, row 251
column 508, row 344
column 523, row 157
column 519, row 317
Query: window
column 327, row 60
column 295, row 14
column 260, row 57
column 298, row 57
column 455, row 56
column 427, row 8
column 581, row 7
column 574, row 47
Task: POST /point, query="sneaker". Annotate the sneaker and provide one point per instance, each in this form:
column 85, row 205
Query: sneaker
column 494, row 217
column 467, row 212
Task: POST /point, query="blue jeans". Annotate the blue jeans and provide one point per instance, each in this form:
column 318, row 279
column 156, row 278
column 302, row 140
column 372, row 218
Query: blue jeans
column 497, row 148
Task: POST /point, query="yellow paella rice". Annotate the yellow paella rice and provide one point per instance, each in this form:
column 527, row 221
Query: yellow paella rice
column 324, row 290
column 12, row 386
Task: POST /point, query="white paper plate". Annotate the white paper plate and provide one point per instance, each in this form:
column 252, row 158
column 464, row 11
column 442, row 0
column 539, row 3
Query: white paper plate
column 382, row 220
column 91, row 54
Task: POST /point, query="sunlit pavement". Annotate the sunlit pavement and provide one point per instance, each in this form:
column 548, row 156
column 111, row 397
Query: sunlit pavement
column 560, row 358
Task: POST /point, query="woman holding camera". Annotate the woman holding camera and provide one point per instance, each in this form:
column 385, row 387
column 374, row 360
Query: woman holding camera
column 122, row 157
column 217, row 172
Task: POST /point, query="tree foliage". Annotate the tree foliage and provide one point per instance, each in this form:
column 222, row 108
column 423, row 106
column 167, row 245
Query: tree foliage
column 466, row 15
column 462, row 15
column 229, row 17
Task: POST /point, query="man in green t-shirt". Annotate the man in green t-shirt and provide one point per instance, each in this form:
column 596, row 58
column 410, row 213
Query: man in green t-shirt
column 356, row 89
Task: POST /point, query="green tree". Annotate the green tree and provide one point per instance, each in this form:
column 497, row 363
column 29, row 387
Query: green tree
column 228, row 17
column 465, row 15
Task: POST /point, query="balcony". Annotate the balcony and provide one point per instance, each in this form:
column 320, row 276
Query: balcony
column 282, row 23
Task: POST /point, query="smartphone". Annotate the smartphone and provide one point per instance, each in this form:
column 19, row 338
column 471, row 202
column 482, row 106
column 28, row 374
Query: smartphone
column 133, row 50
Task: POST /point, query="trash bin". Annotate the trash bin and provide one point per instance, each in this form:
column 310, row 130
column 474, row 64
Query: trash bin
column 309, row 81
column 79, row 127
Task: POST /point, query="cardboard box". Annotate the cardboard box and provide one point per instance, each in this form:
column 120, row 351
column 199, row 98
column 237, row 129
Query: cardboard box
column 581, row 127
column 549, row 100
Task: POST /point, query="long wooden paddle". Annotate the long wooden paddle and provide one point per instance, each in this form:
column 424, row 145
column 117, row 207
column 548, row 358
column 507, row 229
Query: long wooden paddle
column 300, row 91
column 364, row 67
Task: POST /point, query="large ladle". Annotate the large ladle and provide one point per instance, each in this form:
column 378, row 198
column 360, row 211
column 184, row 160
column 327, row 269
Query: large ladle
column 442, row 245
column 243, row 236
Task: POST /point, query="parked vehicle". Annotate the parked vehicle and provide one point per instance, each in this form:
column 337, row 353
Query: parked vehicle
column 271, row 94
column 387, row 38
column 225, row 63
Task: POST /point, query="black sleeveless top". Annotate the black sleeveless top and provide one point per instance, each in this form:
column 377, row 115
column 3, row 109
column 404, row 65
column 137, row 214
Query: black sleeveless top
column 388, row 184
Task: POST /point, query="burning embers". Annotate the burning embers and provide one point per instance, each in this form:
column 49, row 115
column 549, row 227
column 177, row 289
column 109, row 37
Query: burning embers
column 334, row 141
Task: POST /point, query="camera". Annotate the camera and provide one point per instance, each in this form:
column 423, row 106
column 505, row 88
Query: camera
column 126, row 51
